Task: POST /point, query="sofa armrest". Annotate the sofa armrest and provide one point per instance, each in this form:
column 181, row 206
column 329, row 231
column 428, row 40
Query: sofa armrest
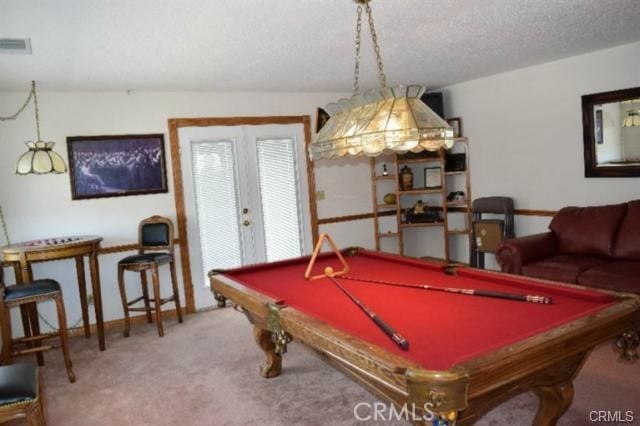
column 514, row 253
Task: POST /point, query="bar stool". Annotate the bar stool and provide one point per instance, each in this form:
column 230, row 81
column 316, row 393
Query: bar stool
column 29, row 294
column 20, row 394
column 154, row 233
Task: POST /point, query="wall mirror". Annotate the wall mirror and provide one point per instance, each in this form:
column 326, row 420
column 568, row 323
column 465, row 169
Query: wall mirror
column 611, row 128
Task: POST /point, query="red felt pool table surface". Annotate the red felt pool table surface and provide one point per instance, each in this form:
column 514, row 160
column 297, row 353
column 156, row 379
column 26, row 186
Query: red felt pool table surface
column 443, row 329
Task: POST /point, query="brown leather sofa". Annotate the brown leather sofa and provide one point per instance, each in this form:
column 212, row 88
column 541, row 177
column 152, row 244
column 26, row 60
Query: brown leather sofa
column 592, row 246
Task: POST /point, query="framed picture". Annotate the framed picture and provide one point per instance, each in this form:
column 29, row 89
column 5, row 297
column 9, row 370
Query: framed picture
column 321, row 119
column 432, row 177
column 598, row 127
column 113, row 166
column 456, row 125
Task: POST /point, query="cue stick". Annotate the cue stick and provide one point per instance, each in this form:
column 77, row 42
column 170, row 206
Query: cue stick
column 468, row 291
column 388, row 330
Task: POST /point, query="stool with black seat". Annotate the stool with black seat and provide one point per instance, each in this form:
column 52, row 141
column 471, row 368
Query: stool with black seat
column 156, row 234
column 20, row 394
column 26, row 294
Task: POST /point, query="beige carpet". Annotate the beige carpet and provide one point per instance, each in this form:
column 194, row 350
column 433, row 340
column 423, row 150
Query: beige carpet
column 205, row 372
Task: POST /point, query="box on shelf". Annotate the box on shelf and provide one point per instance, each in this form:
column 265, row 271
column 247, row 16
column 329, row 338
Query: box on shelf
column 455, row 162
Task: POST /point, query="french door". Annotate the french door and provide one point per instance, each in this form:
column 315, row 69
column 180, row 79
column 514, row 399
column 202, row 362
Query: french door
column 246, row 197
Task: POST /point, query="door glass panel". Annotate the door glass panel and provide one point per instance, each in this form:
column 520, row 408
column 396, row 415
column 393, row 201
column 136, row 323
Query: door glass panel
column 279, row 198
column 217, row 204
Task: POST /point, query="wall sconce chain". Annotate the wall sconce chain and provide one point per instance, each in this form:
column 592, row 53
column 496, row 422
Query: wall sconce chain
column 14, row 116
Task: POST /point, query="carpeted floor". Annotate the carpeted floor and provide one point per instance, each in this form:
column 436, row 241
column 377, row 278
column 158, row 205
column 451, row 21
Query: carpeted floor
column 205, row 372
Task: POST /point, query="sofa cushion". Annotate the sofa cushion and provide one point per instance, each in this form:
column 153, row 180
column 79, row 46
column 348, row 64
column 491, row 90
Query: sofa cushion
column 627, row 245
column 618, row 275
column 588, row 230
column 562, row 267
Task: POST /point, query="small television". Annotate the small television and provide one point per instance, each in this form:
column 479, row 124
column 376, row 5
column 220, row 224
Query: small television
column 434, row 101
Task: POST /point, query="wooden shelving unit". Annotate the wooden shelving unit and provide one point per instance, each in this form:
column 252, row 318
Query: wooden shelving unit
column 461, row 206
column 385, row 184
column 381, row 185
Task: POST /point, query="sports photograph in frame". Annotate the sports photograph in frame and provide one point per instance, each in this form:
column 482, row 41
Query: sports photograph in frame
column 114, row 166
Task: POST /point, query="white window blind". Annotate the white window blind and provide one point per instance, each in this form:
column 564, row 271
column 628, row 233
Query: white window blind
column 217, row 204
column 279, row 198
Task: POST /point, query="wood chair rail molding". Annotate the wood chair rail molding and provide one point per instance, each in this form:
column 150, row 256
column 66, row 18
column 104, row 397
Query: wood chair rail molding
column 177, row 123
column 348, row 218
column 125, row 247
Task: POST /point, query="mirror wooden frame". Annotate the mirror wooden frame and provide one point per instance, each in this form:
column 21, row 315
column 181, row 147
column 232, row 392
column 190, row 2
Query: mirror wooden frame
column 591, row 168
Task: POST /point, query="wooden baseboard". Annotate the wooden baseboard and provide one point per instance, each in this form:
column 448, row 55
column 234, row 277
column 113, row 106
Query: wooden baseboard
column 119, row 323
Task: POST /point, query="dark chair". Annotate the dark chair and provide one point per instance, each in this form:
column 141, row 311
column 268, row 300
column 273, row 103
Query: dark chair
column 26, row 296
column 494, row 206
column 154, row 233
column 20, row 394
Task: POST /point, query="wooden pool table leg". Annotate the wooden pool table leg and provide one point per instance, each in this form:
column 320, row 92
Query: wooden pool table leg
column 628, row 344
column 554, row 402
column 220, row 299
column 272, row 365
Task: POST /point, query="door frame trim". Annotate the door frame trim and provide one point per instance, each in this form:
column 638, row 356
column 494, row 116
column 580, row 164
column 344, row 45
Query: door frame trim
column 178, row 192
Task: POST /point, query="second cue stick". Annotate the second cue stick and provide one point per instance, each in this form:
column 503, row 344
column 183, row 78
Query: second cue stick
column 388, row 330
column 468, row 291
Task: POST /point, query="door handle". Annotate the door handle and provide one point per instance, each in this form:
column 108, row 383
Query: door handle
column 246, row 222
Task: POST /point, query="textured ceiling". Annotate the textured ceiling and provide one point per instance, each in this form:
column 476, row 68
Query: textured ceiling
column 294, row 45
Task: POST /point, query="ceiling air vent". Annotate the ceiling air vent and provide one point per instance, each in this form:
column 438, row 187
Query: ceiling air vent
column 16, row 46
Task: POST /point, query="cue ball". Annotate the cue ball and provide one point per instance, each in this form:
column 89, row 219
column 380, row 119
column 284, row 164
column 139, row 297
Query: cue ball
column 328, row 271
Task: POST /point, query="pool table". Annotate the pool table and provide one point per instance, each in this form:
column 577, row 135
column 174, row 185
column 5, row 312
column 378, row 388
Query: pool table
column 466, row 354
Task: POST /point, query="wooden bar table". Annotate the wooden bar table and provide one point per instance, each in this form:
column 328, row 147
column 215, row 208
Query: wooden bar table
column 23, row 254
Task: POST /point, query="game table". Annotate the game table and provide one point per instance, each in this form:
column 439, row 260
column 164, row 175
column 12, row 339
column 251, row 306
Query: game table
column 466, row 354
column 23, row 254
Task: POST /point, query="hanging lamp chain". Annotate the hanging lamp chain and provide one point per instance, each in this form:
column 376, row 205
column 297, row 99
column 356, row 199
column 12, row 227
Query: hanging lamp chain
column 356, row 73
column 4, row 227
column 26, row 102
column 376, row 48
column 35, row 101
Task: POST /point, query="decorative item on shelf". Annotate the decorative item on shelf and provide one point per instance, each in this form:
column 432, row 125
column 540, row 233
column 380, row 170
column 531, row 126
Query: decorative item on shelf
column 418, row 207
column 40, row 158
column 382, row 120
column 432, row 177
column 456, row 196
column 406, row 179
column 455, row 162
column 389, row 198
column 456, row 125
column 426, row 216
column 384, row 170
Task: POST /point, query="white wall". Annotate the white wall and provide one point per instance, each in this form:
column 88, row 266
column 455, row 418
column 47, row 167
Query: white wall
column 525, row 131
column 41, row 206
